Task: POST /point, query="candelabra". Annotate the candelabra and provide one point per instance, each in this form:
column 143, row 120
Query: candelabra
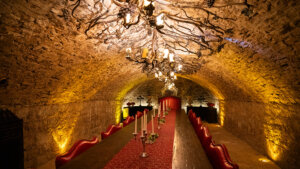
column 135, row 134
column 144, row 139
column 158, row 122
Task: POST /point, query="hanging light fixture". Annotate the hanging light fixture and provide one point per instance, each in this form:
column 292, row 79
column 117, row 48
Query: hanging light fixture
column 154, row 28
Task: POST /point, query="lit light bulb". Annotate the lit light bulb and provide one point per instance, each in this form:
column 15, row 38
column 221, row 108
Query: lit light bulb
column 179, row 67
column 166, row 53
column 127, row 19
column 171, row 57
column 146, row 2
column 159, row 74
column 159, row 20
column 172, row 74
column 128, row 50
column 156, row 75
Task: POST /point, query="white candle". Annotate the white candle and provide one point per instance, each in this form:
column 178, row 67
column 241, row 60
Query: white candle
column 152, row 125
column 142, row 126
column 164, row 109
column 146, row 123
column 135, row 124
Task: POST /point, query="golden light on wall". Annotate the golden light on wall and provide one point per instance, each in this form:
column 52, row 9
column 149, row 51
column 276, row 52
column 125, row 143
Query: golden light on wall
column 62, row 138
column 125, row 113
column 221, row 112
column 122, row 93
column 273, row 139
column 62, row 134
column 278, row 140
column 264, row 160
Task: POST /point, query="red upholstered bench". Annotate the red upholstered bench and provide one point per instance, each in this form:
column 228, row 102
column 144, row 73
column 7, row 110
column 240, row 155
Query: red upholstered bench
column 128, row 120
column 110, row 130
column 218, row 155
column 78, row 148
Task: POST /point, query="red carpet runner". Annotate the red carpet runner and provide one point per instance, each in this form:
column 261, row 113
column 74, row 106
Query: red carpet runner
column 160, row 153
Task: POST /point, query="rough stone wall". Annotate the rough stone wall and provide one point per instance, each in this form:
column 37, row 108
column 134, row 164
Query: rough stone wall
column 49, row 70
column 52, row 129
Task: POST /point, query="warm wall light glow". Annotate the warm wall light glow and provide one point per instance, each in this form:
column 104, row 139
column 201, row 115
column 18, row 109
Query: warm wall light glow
column 122, row 93
column 175, row 77
column 166, row 53
column 62, row 138
column 172, row 74
column 125, row 113
column 62, row 134
column 127, row 20
column 159, row 20
column 171, row 57
column 273, row 141
column 146, row 2
column 263, row 159
column 221, row 112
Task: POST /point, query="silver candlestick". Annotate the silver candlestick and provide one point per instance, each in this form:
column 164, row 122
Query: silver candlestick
column 158, row 121
column 135, row 134
column 144, row 139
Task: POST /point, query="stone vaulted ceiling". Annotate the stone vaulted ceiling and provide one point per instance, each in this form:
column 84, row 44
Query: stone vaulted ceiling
column 46, row 60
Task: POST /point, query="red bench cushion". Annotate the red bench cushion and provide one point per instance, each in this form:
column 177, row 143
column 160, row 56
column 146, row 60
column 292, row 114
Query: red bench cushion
column 78, row 148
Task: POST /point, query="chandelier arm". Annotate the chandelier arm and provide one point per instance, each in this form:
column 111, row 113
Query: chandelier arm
column 198, row 6
column 175, row 36
column 183, row 20
column 186, row 50
column 192, row 35
column 122, row 5
column 94, row 21
column 96, row 3
column 77, row 3
column 135, row 23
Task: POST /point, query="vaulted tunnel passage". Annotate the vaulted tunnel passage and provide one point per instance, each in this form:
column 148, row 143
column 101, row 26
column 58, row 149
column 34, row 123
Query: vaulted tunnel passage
column 67, row 87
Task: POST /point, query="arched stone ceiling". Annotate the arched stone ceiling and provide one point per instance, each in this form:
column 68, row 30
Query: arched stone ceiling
column 45, row 57
column 46, row 60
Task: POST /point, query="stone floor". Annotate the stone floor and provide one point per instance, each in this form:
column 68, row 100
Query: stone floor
column 240, row 152
column 187, row 149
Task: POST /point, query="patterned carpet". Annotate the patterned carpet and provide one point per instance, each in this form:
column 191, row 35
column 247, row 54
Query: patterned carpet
column 160, row 153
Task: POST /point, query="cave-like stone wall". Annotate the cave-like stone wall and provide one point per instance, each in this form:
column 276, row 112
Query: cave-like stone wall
column 50, row 130
column 57, row 80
